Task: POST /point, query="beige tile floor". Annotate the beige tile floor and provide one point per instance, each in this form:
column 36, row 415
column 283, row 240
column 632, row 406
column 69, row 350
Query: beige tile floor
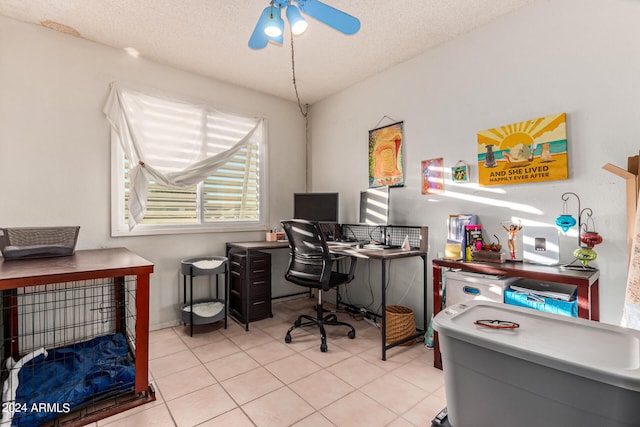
column 235, row 378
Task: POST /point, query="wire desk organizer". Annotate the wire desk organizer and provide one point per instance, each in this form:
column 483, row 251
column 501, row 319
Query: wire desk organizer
column 386, row 234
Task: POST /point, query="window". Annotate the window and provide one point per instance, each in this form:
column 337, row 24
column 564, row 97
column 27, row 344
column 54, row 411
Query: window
column 181, row 137
column 231, row 194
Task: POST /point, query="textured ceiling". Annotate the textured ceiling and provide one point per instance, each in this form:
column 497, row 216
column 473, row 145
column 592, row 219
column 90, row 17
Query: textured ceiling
column 209, row 37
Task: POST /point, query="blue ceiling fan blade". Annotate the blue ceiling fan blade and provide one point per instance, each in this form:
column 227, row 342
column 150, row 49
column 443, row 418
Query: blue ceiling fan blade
column 278, row 39
column 333, row 17
column 259, row 39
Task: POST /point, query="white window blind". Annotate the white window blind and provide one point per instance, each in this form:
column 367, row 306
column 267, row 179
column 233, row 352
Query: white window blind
column 165, row 205
column 184, row 164
column 233, row 192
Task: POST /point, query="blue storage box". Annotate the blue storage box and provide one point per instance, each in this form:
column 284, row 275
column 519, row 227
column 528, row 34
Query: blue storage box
column 537, row 302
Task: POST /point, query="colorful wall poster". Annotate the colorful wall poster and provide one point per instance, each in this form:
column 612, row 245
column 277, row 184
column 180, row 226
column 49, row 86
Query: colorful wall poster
column 433, row 176
column 529, row 151
column 386, row 156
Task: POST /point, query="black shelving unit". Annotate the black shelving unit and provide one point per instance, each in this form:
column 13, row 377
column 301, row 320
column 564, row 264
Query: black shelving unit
column 204, row 266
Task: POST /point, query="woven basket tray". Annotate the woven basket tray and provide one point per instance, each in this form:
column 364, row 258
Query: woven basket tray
column 401, row 323
column 38, row 242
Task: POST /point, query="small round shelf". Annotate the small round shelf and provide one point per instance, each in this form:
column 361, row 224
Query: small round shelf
column 210, row 310
column 204, row 266
column 205, row 311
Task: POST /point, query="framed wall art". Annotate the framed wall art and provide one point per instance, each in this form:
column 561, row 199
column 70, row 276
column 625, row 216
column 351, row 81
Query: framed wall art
column 386, row 148
column 433, row 176
column 529, row 151
column 460, row 172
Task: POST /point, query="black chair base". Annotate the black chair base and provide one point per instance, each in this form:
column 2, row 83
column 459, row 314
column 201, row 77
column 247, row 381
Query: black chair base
column 319, row 321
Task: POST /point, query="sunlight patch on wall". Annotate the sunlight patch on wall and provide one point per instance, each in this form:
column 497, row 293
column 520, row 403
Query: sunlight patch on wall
column 494, row 202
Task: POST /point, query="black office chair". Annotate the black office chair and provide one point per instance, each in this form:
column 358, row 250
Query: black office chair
column 310, row 265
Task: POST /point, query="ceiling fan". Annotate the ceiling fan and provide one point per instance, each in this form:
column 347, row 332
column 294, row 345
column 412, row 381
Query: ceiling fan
column 270, row 26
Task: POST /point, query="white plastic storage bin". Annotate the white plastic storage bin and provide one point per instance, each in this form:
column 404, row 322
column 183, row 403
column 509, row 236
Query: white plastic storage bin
column 550, row 371
column 464, row 286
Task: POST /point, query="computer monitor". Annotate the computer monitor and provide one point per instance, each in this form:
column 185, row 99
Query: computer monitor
column 319, row 207
column 374, row 206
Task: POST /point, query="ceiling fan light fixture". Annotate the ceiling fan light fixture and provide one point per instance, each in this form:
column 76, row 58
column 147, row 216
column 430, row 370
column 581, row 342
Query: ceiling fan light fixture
column 297, row 23
column 270, row 26
column 274, row 24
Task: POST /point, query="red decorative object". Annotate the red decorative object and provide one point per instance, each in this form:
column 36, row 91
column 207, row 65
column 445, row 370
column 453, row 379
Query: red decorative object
column 591, row 238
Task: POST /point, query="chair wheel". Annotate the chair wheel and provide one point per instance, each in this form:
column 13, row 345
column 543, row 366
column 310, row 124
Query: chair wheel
column 287, row 338
column 351, row 334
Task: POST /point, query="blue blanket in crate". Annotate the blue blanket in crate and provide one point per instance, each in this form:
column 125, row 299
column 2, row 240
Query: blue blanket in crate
column 53, row 383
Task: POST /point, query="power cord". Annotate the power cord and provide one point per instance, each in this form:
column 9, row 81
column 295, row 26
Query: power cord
column 304, row 111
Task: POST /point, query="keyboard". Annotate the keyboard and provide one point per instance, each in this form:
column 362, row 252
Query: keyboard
column 334, row 244
column 378, row 246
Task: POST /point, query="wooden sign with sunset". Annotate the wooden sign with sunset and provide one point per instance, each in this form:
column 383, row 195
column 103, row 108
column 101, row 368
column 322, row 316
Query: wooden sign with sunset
column 529, row 151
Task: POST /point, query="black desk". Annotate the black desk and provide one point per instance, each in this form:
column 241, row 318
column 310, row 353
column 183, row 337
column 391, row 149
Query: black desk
column 384, row 256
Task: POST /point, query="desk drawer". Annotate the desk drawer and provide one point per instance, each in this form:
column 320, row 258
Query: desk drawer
column 260, row 273
column 260, row 263
column 259, row 307
column 258, row 286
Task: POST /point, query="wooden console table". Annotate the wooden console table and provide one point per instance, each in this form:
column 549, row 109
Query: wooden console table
column 587, row 283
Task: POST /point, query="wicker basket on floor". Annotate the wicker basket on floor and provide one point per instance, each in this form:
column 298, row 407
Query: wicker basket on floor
column 401, row 323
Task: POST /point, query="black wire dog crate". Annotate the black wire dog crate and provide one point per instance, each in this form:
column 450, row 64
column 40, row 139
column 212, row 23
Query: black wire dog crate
column 69, row 349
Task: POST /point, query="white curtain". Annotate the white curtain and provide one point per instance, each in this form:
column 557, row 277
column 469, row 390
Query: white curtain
column 174, row 143
column 631, row 314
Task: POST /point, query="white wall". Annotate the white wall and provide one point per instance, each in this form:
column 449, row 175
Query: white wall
column 581, row 57
column 55, row 148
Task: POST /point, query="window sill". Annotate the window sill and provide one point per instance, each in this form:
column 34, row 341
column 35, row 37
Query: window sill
column 151, row 230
